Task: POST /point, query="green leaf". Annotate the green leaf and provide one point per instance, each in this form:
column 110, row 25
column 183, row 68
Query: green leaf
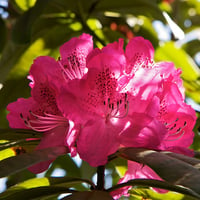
column 136, row 7
column 21, row 32
column 170, row 52
column 53, row 182
column 150, row 194
column 175, row 171
column 65, row 162
column 34, row 192
column 156, row 184
column 49, row 181
column 25, row 4
column 93, row 195
column 13, row 134
column 6, row 153
column 3, row 32
column 17, row 142
column 15, row 164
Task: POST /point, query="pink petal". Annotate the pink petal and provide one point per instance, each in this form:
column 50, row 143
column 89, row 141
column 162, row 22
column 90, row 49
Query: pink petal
column 108, row 61
column 21, row 106
column 138, row 50
column 143, row 131
column 83, row 43
column 45, row 69
column 74, row 54
column 136, row 171
column 96, row 141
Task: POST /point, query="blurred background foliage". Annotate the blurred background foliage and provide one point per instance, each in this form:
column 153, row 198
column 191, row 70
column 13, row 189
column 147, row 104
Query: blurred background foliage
column 31, row 28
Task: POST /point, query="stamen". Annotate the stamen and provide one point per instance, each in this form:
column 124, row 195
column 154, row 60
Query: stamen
column 178, row 131
column 78, row 70
column 126, row 106
column 44, row 123
column 177, row 137
column 66, row 71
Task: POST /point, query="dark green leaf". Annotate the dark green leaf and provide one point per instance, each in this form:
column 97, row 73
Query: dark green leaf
column 136, row 7
column 155, row 184
column 152, row 195
column 17, row 142
column 93, row 195
column 13, row 134
column 66, row 163
column 22, row 29
column 20, row 162
column 2, row 34
column 169, row 168
column 34, row 193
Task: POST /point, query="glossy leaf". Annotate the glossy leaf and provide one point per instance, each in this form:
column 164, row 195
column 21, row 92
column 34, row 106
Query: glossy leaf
column 14, row 164
column 17, row 142
column 46, row 181
column 12, row 134
column 25, row 4
column 93, row 195
column 172, row 169
column 6, row 153
column 34, row 192
column 152, row 195
column 156, row 184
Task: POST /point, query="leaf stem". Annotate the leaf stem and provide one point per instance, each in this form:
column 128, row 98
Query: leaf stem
column 100, row 177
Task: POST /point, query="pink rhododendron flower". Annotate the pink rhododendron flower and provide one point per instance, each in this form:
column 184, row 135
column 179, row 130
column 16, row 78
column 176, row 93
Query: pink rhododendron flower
column 126, row 99
column 136, row 171
column 161, row 81
column 130, row 100
column 94, row 101
column 40, row 112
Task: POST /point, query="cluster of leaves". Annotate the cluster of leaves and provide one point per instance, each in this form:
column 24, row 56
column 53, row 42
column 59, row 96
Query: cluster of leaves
column 39, row 27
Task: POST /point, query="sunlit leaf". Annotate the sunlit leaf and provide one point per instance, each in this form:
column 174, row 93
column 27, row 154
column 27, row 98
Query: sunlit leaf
column 65, row 182
column 150, row 194
column 25, row 4
column 34, row 192
column 23, row 161
column 143, row 183
column 93, row 195
column 6, row 153
column 13, row 134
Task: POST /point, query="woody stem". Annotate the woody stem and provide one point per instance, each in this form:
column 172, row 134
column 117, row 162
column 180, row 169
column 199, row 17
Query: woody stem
column 100, row 177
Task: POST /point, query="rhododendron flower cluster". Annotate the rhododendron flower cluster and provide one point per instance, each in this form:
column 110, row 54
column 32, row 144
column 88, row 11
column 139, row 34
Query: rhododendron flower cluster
column 94, row 101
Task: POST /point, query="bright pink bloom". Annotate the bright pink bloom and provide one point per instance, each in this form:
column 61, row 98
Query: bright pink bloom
column 40, row 112
column 161, row 82
column 126, row 99
column 73, row 56
column 102, row 100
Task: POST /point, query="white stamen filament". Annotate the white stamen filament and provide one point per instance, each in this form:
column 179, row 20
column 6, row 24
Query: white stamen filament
column 71, row 71
column 44, row 123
